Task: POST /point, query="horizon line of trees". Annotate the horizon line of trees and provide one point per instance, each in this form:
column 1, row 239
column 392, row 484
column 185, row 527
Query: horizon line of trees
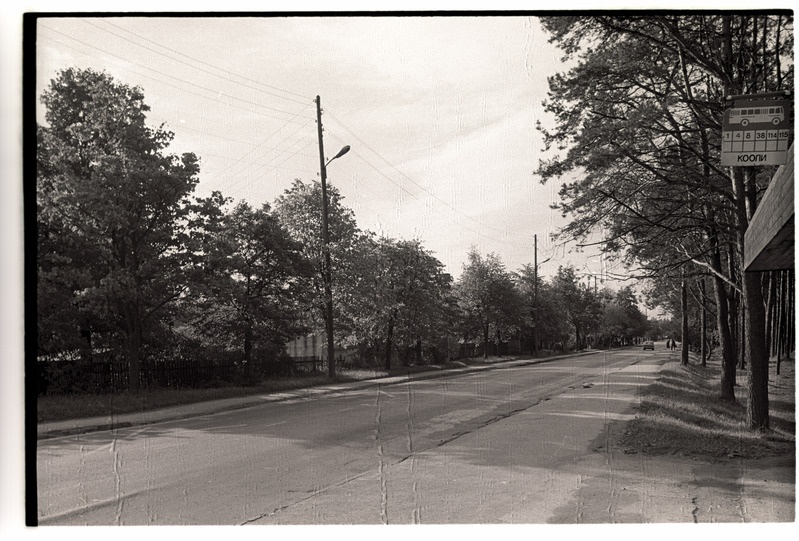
column 132, row 265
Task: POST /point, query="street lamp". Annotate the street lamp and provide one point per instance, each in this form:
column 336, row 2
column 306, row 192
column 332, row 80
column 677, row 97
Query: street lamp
column 331, row 359
column 344, row 150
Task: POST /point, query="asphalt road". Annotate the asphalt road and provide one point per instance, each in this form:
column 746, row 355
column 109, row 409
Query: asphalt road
column 492, row 446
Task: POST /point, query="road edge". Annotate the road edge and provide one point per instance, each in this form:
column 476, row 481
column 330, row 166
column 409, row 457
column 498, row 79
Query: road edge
column 55, row 429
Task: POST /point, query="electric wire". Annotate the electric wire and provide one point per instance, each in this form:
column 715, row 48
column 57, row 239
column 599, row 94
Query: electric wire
column 447, row 216
column 366, row 145
column 272, row 168
column 225, row 138
column 183, row 81
column 218, row 180
column 271, row 135
column 241, row 158
column 213, row 180
column 221, row 157
column 161, row 45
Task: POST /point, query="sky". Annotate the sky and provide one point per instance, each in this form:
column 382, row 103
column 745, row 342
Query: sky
column 440, row 114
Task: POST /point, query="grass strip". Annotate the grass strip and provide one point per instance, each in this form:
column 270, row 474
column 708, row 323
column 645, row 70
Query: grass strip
column 681, row 414
column 77, row 406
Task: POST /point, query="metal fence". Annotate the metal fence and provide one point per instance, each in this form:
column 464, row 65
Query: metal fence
column 308, row 363
column 112, row 375
column 71, row 376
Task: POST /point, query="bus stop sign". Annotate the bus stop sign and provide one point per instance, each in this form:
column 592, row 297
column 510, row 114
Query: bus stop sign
column 756, row 132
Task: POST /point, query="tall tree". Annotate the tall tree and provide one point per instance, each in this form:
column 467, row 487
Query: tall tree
column 622, row 320
column 641, row 114
column 106, row 183
column 582, row 308
column 299, row 209
column 253, row 288
column 488, row 297
column 546, row 310
column 421, row 294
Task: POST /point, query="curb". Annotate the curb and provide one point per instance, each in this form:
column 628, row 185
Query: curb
column 55, row 429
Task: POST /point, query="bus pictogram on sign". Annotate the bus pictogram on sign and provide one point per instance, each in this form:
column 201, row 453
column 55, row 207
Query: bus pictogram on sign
column 757, row 115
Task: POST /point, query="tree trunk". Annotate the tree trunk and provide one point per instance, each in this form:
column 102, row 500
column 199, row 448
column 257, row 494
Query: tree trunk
column 734, row 317
column 782, row 313
column 86, row 342
column 247, row 343
column 757, row 411
column 704, row 322
column 771, row 303
column 418, row 351
column 725, row 340
column 485, row 341
column 782, row 316
column 791, row 327
column 736, row 307
column 404, row 355
column 724, row 309
column 757, row 408
column 389, row 337
column 684, row 308
column 742, row 342
column 134, row 341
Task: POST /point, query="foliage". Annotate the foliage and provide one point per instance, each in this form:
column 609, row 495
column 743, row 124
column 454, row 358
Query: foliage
column 252, row 291
column 112, row 215
column 487, row 296
column 417, row 296
column 622, row 320
column 581, row 306
column 639, row 119
column 546, row 311
column 129, row 259
column 299, row 210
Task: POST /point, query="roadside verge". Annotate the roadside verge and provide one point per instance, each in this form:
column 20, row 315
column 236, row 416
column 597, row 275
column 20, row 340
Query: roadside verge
column 52, row 429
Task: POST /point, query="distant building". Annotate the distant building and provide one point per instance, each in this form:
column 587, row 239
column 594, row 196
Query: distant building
column 312, row 346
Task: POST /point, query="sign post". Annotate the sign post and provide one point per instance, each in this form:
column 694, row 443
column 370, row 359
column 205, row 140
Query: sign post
column 756, row 132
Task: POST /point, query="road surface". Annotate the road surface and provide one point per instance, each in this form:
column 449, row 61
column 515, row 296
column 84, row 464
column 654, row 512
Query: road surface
column 502, row 445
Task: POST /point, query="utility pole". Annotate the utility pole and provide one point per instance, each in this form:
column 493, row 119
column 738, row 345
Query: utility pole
column 331, row 359
column 535, row 295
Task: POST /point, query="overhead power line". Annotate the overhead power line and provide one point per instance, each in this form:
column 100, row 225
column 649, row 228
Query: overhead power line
column 202, row 62
column 251, row 151
column 428, row 192
column 272, row 168
column 230, row 139
column 183, row 81
column 414, row 196
column 241, row 159
column 291, row 119
column 253, row 163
